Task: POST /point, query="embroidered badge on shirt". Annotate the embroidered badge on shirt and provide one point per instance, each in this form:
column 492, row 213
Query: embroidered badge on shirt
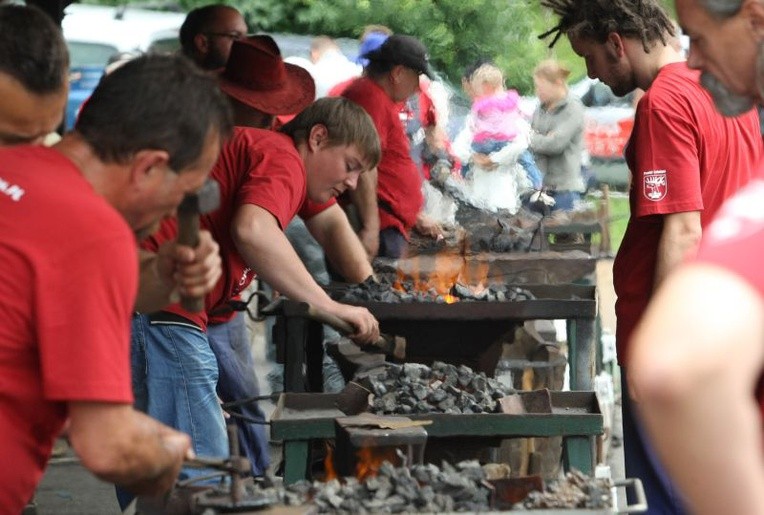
column 655, row 185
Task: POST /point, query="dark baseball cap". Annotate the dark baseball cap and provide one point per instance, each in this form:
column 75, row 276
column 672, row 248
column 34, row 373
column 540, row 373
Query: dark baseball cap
column 404, row 50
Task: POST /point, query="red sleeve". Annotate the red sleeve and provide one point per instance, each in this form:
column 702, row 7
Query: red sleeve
column 310, row 209
column 665, row 163
column 276, row 183
column 379, row 112
column 735, row 239
column 85, row 341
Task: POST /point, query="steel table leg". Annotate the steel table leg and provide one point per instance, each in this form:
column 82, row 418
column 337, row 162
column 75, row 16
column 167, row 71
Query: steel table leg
column 578, row 453
column 581, row 353
column 296, row 455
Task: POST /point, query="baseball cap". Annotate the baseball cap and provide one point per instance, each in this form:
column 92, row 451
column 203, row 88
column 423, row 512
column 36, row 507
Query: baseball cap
column 404, row 50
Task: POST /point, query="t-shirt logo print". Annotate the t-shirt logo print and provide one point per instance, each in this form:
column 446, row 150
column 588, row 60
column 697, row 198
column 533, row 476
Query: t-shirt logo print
column 655, row 185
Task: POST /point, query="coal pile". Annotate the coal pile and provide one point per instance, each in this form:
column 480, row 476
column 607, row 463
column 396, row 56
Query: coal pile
column 420, row 488
column 414, row 388
column 576, row 490
column 382, row 290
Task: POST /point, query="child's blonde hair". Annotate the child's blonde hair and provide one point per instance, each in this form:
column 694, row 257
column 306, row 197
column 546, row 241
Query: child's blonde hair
column 553, row 71
column 487, row 75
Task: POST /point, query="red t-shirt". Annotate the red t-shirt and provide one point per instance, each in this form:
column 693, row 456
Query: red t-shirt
column 70, row 276
column 683, row 156
column 258, row 167
column 735, row 241
column 399, row 184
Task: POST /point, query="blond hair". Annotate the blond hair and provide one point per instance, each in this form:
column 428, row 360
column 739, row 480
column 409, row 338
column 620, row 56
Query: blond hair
column 489, row 75
column 552, row 71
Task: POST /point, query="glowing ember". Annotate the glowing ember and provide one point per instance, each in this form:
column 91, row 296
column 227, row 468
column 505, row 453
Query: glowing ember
column 370, row 459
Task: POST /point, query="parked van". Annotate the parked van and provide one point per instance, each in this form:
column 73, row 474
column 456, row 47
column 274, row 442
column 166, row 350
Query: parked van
column 94, row 34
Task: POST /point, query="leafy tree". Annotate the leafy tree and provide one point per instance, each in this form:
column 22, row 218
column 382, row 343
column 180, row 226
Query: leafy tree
column 456, row 32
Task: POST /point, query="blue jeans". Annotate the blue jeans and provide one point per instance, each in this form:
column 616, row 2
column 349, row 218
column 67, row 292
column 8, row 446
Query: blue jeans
column 230, row 343
column 641, row 461
column 528, row 162
column 565, row 200
column 174, row 376
column 392, row 243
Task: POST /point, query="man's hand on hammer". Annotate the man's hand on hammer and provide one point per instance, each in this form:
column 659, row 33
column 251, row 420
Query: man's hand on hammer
column 366, row 326
column 187, row 271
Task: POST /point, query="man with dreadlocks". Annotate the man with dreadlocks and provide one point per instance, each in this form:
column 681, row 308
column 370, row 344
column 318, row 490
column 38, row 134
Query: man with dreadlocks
column 685, row 160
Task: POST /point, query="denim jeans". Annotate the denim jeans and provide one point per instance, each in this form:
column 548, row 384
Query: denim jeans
column 565, row 200
column 230, row 343
column 528, row 162
column 392, row 243
column 174, row 376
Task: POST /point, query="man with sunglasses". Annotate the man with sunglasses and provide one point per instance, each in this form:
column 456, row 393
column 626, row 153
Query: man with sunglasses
column 208, row 32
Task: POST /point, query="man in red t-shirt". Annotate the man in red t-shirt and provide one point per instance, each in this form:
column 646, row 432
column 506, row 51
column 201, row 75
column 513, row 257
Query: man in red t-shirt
column 266, row 178
column 697, row 356
column 685, row 160
column 389, row 201
column 69, row 216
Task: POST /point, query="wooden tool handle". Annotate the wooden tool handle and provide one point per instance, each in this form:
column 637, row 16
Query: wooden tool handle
column 188, row 234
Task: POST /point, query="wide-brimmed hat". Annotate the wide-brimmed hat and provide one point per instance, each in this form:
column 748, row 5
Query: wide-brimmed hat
column 257, row 76
column 405, row 50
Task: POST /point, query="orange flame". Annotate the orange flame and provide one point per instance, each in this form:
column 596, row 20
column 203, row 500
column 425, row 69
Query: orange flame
column 330, row 472
column 448, row 270
column 370, row 459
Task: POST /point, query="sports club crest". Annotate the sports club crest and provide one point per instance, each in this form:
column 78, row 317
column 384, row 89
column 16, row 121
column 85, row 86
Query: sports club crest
column 655, row 185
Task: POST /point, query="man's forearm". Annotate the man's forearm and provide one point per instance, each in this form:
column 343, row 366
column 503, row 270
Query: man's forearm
column 126, row 447
column 679, row 241
column 265, row 249
column 364, row 198
column 344, row 250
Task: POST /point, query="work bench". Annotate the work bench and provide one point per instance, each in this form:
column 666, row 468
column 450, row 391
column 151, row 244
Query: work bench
column 302, row 417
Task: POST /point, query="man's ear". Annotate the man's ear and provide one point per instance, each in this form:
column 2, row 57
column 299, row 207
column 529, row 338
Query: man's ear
column 614, row 44
column 318, row 137
column 395, row 73
column 753, row 10
column 147, row 166
column 202, row 44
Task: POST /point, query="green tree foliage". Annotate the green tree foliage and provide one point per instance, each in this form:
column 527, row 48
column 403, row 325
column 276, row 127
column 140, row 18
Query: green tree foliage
column 457, row 32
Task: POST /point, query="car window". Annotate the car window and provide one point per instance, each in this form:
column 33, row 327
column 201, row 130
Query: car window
column 88, row 54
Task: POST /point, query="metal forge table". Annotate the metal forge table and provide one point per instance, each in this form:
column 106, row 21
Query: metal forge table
column 302, row 417
column 444, row 331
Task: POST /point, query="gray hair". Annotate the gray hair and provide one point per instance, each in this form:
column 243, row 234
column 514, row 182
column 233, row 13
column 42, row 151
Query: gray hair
column 722, row 8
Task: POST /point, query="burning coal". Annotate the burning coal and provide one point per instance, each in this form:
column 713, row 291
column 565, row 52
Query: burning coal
column 414, row 388
column 434, row 289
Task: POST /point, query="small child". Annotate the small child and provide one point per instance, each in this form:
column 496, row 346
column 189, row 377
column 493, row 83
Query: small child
column 496, row 118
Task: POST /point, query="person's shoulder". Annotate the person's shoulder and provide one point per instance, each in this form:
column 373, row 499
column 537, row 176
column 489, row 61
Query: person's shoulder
column 674, row 81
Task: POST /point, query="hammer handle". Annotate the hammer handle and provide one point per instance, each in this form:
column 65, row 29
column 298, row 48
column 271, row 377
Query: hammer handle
column 188, row 234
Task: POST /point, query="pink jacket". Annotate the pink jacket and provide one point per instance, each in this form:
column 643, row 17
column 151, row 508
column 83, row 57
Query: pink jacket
column 496, row 117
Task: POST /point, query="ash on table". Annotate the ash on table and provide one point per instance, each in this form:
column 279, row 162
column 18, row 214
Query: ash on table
column 382, row 290
column 414, row 388
column 420, row 488
column 576, row 490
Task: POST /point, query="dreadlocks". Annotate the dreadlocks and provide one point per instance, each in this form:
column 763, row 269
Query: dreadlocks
column 595, row 19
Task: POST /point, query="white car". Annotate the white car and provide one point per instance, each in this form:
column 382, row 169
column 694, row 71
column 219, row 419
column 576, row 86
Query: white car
column 94, row 34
